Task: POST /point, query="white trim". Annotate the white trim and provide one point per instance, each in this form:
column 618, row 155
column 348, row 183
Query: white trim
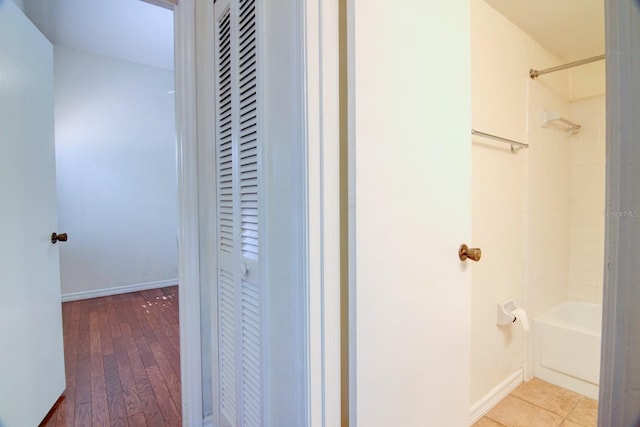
column 262, row 209
column 116, row 290
column 208, row 421
column 319, row 73
column 302, row 213
column 303, row 338
column 207, row 183
column 352, row 211
column 188, row 229
column 312, row 74
column 330, row 176
column 323, row 199
column 491, row 399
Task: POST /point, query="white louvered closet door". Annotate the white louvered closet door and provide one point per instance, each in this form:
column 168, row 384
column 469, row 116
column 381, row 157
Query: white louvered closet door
column 240, row 367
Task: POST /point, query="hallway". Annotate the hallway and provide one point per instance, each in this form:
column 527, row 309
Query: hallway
column 122, row 361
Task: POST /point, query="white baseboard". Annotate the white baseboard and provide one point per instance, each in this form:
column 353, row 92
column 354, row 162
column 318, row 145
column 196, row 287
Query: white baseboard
column 502, row 390
column 75, row 296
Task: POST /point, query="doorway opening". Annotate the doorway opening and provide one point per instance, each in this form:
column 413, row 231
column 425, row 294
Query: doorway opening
column 545, row 201
column 118, row 202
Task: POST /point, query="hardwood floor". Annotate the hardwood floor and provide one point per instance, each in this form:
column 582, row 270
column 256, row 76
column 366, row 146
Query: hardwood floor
column 122, row 361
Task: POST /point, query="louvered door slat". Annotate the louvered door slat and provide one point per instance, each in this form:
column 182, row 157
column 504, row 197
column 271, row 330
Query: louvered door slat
column 248, row 112
column 227, row 316
column 228, row 305
column 249, row 214
column 249, row 185
column 249, row 153
column 224, row 137
column 249, row 126
column 251, row 360
column 238, row 188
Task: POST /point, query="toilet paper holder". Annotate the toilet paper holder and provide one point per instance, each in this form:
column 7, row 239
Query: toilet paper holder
column 509, row 312
column 505, row 315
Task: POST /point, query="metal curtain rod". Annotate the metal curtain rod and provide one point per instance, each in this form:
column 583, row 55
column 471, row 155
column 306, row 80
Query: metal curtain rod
column 536, row 73
column 515, row 145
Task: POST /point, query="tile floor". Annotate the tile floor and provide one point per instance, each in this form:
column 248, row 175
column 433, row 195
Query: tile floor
column 537, row 403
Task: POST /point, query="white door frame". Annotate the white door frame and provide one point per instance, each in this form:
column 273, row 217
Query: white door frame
column 310, row 47
column 316, row 22
column 322, row 74
column 188, row 227
column 620, row 370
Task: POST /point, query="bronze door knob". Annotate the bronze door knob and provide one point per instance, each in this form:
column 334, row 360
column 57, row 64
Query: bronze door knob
column 55, row 237
column 465, row 252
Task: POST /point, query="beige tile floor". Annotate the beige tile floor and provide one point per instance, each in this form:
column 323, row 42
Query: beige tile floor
column 537, row 403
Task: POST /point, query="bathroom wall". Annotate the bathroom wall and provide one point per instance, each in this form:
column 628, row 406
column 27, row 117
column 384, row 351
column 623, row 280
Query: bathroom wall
column 548, row 200
column 502, row 55
column 588, row 160
column 588, row 200
column 587, row 81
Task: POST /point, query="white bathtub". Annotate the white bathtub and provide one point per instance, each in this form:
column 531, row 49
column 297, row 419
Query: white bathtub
column 566, row 346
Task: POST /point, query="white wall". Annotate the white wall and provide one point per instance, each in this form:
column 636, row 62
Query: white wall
column 587, row 81
column 548, row 202
column 502, row 55
column 588, row 200
column 116, row 172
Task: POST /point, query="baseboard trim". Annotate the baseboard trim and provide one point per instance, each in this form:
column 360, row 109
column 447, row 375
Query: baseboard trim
column 502, row 390
column 76, row 296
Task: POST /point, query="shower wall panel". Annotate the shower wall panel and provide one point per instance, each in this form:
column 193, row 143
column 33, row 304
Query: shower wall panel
column 588, row 201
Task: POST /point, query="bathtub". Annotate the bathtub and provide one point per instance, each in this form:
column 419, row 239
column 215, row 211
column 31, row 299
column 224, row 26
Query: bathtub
column 566, row 347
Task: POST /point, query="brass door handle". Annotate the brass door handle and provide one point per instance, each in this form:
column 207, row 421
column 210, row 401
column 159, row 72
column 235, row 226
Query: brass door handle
column 55, row 238
column 465, row 252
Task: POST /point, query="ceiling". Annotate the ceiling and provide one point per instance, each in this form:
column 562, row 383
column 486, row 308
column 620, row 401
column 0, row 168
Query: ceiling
column 131, row 30
column 570, row 29
column 136, row 31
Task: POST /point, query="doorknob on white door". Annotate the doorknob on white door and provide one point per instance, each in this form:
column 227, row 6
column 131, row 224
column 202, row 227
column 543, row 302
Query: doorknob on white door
column 466, row 252
column 55, row 237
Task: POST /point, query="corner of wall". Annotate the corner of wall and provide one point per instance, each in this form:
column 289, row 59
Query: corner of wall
column 587, row 81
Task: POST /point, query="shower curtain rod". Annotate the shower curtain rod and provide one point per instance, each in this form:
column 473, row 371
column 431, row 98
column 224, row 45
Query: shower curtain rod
column 536, row 73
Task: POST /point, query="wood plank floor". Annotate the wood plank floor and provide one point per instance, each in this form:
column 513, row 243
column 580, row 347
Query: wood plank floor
column 122, row 361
